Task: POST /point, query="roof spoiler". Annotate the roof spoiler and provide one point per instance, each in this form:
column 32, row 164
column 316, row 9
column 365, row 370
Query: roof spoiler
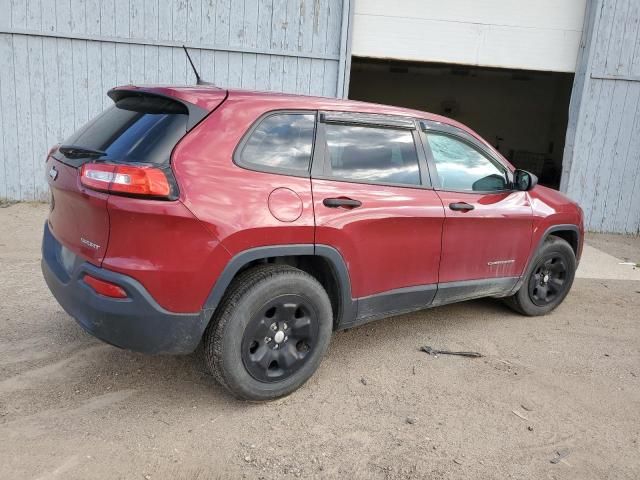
column 196, row 113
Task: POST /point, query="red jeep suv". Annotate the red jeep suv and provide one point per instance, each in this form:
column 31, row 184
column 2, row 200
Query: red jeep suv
column 258, row 223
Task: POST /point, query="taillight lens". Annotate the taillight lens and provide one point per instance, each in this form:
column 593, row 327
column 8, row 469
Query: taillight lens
column 105, row 288
column 140, row 180
column 97, row 176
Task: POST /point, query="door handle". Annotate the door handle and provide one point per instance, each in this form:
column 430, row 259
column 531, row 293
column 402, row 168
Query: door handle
column 341, row 202
column 461, row 206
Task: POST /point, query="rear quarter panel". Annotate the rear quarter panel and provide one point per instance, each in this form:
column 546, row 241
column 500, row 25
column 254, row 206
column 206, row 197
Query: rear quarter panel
column 231, row 201
column 164, row 247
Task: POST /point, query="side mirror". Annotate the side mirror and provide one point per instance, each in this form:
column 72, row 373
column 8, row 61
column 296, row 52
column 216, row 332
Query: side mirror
column 524, row 180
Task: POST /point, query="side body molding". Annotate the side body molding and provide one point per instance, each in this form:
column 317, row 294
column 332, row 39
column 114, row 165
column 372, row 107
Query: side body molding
column 352, row 312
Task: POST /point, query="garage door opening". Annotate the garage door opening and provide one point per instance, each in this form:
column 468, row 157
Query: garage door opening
column 522, row 113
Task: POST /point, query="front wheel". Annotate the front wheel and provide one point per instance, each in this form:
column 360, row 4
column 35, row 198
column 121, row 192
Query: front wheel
column 269, row 333
column 548, row 280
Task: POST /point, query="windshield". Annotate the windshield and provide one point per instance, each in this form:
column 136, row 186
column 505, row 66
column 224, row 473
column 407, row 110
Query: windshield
column 135, row 129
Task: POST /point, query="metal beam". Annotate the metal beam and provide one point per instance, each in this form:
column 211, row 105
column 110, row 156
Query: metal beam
column 169, row 43
column 344, row 67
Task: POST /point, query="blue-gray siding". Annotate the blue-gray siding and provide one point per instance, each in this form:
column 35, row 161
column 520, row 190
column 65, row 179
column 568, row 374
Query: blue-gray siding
column 58, row 58
column 601, row 167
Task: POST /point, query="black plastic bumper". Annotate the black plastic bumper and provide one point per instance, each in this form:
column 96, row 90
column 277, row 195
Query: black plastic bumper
column 136, row 323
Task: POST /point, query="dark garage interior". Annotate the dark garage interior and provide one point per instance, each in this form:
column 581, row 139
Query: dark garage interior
column 522, row 113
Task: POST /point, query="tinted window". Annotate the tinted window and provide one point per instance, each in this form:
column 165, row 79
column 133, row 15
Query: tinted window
column 372, row 154
column 135, row 129
column 462, row 167
column 282, row 141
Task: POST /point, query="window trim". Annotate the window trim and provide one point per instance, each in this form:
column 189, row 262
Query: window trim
column 429, row 126
column 239, row 149
column 368, row 120
column 320, row 170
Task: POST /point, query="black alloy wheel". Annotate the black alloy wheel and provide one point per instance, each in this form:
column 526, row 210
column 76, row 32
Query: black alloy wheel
column 279, row 338
column 269, row 333
column 548, row 280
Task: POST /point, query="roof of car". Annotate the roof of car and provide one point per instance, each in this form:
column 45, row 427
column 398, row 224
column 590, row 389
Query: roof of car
column 204, row 95
column 209, row 97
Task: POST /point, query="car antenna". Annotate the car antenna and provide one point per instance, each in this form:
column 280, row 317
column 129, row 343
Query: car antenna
column 199, row 80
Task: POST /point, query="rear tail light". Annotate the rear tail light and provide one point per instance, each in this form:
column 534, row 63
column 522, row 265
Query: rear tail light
column 140, row 180
column 105, row 288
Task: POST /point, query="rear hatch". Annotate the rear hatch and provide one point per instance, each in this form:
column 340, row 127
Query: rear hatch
column 141, row 129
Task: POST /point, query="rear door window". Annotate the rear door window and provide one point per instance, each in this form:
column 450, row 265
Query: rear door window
column 280, row 143
column 135, row 129
column 371, row 154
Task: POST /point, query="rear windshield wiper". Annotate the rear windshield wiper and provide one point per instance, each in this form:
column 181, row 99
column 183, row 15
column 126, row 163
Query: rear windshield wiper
column 76, row 151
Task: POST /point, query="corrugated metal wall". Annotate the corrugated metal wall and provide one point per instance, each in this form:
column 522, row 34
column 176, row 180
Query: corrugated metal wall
column 59, row 57
column 601, row 166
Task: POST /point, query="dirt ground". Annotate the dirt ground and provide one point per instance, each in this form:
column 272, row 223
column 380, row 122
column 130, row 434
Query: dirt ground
column 624, row 247
column 72, row 407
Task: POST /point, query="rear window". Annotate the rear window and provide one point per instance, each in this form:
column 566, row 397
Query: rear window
column 135, row 129
column 281, row 143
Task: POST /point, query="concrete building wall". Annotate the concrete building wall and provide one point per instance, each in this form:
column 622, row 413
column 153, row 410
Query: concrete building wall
column 58, row 59
column 601, row 166
column 523, row 34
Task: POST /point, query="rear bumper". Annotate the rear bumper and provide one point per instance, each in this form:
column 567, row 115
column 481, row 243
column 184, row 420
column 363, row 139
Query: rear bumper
column 136, row 323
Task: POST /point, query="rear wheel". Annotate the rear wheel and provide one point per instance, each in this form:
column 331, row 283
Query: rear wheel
column 270, row 332
column 548, row 280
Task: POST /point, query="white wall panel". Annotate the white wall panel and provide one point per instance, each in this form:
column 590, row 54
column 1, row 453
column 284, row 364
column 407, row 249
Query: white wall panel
column 59, row 58
column 541, row 35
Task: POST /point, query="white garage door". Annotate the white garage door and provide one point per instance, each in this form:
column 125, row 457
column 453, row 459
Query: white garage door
column 524, row 34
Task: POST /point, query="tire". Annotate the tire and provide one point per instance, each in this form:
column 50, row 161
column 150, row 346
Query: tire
column 540, row 294
column 246, row 354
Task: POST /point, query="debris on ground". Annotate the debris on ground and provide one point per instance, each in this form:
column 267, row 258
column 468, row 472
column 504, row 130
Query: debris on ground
column 410, row 420
column 7, row 203
column 517, row 414
column 363, row 381
column 560, row 454
column 435, row 353
column 526, row 407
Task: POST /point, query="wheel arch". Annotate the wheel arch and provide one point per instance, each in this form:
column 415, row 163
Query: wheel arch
column 568, row 232
column 322, row 262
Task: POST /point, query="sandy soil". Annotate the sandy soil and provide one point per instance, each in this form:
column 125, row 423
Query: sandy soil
column 74, row 408
column 624, row 247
